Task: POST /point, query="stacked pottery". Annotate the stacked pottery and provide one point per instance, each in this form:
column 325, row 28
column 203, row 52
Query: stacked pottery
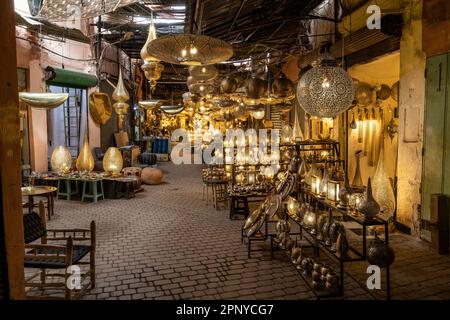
column 316, row 276
column 331, row 282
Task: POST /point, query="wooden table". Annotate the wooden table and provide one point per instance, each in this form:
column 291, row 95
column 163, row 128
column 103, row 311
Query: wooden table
column 40, row 191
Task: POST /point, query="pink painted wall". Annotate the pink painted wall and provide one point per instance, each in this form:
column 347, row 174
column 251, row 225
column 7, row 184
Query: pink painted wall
column 35, row 60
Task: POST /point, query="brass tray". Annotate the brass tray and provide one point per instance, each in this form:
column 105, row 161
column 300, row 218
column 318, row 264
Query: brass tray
column 253, row 218
column 273, row 205
column 288, row 186
column 100, row 107
column 255, row 228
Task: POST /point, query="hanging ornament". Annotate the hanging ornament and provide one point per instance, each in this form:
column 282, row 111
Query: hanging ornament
column 325, row 90
column 364, row 94
column 151, row 67
column 120, row 95
column 282, row 87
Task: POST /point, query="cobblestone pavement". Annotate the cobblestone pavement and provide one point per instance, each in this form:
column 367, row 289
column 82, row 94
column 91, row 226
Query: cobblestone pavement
column 167, row 243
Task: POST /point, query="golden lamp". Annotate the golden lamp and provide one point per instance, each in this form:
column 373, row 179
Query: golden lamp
column 113, row 161
column 61, row 160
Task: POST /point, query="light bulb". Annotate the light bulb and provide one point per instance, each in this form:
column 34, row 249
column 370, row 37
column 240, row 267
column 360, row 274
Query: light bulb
column 325, row 83
column 193, row 50
column 203, row 70
column 183, row 53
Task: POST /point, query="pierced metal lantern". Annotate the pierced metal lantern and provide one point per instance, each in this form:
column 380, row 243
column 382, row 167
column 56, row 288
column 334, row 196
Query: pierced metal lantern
column 326, row 90
column 113, row 161
column 333, row 190
column 61, row 160
column 203, row 73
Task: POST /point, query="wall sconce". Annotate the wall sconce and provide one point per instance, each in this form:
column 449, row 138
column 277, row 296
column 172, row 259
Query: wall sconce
column 113, row 161
column 333, row 190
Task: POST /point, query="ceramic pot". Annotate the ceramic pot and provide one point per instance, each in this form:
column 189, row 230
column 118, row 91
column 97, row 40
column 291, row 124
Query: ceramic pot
column 369, row 207
column 380, row 253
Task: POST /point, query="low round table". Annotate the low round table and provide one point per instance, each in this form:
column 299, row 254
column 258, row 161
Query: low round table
column 39, row 191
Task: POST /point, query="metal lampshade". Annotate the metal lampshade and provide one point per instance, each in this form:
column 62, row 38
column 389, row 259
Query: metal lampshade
column 113, row 161
column 190, row 49
column 326, row 90
column 61, row 160
column 44, row 100
column 203, row 73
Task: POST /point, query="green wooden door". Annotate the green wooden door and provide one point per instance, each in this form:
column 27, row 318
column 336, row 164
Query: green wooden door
column 436, row 158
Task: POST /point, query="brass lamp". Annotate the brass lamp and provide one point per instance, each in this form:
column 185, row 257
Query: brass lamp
column 292, row 206
column 61, row 160
column 113, row 161
column 85, row 160
column 315, row 184
column 333, row 190
column 121, row 96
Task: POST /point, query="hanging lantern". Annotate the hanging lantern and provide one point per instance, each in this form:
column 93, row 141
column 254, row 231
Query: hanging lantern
column 85, row 160
column 201, row 88
column 282, row 87
column 228, row 85
column 151, row 67
column 120, row 95
column 286, row 134
column 364, row 94
column 255, row 88
column 113, row 161
column 326, row 90
column 203, row 73
column 190, row 49
column 61, row 160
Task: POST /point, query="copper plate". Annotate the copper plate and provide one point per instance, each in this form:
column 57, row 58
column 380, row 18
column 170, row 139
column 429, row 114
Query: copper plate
column 100, row 107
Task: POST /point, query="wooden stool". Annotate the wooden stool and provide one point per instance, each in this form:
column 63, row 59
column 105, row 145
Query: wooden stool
column 68, row 193
column 92, row 191
column 220, row 194
column 239, row 206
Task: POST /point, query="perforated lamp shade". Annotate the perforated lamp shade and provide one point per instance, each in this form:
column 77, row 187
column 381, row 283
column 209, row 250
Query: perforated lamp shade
column 325, row 91
column 113, row 161
column 61, row 160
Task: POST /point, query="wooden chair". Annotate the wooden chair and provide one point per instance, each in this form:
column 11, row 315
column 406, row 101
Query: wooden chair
column 44, row 256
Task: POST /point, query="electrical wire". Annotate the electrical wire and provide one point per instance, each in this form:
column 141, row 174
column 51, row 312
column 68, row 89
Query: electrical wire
column 54, row 52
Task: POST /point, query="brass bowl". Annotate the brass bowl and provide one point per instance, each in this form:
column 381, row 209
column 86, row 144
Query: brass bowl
column 150, row 104
column 172, row 110
column 43, row 100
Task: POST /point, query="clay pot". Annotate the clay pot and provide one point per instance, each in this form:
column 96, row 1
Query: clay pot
column 255, row 88
column 152, row 176
column 380, row 253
